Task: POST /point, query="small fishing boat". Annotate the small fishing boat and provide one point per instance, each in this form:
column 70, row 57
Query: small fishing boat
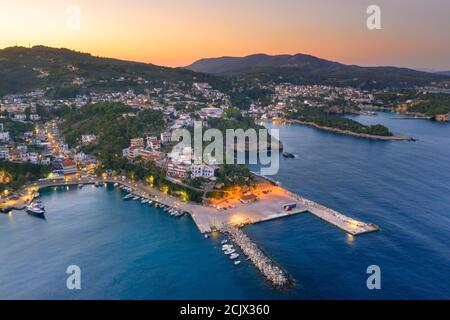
column 228, row 252
column 237, row 262
column 288, row 155
column 227, row 247
column 128, row 197
column 234, row 256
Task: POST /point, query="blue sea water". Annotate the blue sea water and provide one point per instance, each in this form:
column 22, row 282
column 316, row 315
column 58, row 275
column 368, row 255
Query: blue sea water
column 127, row 250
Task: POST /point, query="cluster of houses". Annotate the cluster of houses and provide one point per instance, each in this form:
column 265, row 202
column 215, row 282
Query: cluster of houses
column 20, row 108
column 287, row 95
column 178, row 165
column 178, row 101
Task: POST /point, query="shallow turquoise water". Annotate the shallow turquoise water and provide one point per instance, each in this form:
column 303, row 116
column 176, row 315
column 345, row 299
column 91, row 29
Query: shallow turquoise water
column 131, row 251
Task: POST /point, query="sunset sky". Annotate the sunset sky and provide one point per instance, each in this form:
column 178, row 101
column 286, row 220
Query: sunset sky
column 415, row 33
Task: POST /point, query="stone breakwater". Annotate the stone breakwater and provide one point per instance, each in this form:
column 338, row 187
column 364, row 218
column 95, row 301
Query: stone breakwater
column 268, row 268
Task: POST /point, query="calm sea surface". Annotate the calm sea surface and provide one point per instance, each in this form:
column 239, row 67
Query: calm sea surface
column 127, row 250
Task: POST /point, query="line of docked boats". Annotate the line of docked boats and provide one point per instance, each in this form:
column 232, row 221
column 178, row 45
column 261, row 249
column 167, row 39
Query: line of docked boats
column 228, row 250
column 132, row 194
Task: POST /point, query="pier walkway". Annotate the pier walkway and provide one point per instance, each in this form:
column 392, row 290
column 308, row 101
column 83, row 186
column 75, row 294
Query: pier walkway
column 269, row 206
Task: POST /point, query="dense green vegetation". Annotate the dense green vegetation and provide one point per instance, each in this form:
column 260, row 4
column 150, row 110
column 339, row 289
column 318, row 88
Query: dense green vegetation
column 231, row 175
column 325, row 119
column 393, row 97
column 24, row 69
column 113, row 130
column 15, row 175
column 249, row 92
column 233, row 119
column 432, row 104
column 65, row 92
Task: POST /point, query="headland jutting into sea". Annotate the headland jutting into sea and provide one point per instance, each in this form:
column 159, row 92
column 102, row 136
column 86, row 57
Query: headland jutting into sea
column 273, row 202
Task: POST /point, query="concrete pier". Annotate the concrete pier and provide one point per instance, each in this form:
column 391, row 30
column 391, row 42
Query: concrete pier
column 269, row 206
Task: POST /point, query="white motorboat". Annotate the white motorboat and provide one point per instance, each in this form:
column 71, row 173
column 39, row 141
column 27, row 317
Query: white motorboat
column 234, row 256
column 128, row 197
column 228, row 252
column 34, row 210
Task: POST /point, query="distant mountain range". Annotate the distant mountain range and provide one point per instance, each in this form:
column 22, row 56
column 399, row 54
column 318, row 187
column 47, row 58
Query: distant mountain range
column 23, row 69
column 301, row 68
column 230, row 65
column 445, row 73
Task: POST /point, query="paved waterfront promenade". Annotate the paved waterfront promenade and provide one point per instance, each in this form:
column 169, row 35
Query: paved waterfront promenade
column 269, row 206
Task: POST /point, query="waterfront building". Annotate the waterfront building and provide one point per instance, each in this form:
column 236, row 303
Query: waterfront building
column 69, row 167
column 202, row 171
column 178, row 170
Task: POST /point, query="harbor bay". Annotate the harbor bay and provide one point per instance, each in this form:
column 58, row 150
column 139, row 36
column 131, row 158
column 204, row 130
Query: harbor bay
column 162, row 256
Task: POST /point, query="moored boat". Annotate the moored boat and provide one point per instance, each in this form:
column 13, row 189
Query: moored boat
column 228, row 252
column 234, row 256
column 35, row 210
column 128, row 197
column 288, row 155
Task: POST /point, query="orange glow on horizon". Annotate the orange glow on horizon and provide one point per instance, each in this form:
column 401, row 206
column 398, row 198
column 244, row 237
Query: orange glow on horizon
column 177, row 33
